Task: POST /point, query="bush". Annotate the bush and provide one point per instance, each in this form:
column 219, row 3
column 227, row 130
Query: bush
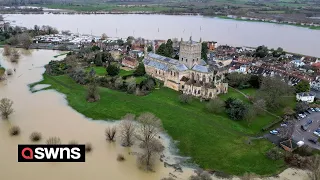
column 88, row 147
column 79, row 76
column 140, row 71
column 14, row 131
column 304, row 150
column 35, row 136
column 215, row 105
column 113, row 70
column 185, row 98
column 236, row 109
column 120, row 157
column 297, row 161
column 275, row 153
column 301, row 106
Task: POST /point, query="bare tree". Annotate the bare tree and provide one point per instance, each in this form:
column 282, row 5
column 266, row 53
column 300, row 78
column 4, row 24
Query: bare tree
column 25, row 40
column 15, row 55
column 88, row 147
column 93, row 92
column 6, row 50
column 315, row 168
column 148, row 129
column 259, row 106
column 287, row 131
column 14, row 131
column 6, row 107
column 127, row 130
column 35, row 136
column 111, row 133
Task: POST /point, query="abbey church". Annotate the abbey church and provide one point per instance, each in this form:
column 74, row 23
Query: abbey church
column 190, row 74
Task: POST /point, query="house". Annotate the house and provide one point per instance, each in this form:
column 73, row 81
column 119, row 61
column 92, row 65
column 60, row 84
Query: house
column 130, row 62
column 305, row 97
column 211, row 45
column 297, row 63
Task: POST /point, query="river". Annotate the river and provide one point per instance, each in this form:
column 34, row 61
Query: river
column 224, row 31
column 47, row 112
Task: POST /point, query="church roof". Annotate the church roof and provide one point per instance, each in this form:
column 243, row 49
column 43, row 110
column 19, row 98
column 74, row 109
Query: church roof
column 155, row 64
column 181, row 67
column 163, row 58
column 202, row 62
column 200, row 68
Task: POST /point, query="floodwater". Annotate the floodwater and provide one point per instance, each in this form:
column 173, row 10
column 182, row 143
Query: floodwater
column 224, row 31
column 47, row 112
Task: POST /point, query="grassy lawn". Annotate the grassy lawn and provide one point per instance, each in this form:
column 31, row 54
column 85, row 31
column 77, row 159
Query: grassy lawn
column 213, row 141
column 101, row 71
column 125, row 73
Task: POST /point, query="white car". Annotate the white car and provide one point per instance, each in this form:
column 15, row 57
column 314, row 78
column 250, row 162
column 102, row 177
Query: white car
column 317, row 132
column 274, row 132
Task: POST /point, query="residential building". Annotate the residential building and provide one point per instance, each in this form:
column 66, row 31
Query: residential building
column 130, row 62
column 297, row 63
column 305, row 97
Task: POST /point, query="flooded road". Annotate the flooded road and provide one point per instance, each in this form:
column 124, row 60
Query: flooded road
column 47, row 112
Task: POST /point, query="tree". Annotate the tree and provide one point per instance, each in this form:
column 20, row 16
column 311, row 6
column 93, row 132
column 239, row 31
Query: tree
column 149, row 48
column 118, row 83
column 302, row 106
column 278, row 52
column 93, row 92
column 250, row 115
column 259, row 106
column 162, row 50
column 237, row 110
column 95, row 48
column 6, row 107
column 140, row 71
column 204, row 51
column 111, row 133
column 98, row 59
column 148, row 129
column 288, row 112
column 15, row 55
column 215, row 105
column 274, row 154
column 25, row 40
column 113, row 70
column 315, row 168
column 107, row 57
column 255, row 81
column 169, row 48
column 286, row 132
column 104, row 36
column 2, row 73
column 238, row 80
column 272, row 90
column 302, row 86
column 261, row 51
column 185, row 98
column 6, row 50
column 127, row 130
column 131, row 85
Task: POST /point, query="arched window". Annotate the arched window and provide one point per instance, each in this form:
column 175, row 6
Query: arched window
column 198, row 77
column 171, row 73
column 181, row 59
column 174, row 73
column 182, row 86
column 186, row 60
column 156, row 71
column 198, row 91
column 204, row 78
column 195, row 92
column 210, row 94
column 197, row 59
column 192, row 60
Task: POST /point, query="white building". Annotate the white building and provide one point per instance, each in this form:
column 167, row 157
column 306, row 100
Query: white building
column 305, row 97
column 315, row 84
column 297, row 63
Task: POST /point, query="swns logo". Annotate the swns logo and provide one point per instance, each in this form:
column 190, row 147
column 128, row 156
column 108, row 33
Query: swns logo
column 51, row 153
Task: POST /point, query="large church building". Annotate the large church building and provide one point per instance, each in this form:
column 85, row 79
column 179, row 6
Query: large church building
column 190, row 74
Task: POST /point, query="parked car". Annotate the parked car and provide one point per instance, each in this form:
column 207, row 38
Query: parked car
column 283, row 125
column 317, row 109
column 309, row 121
column 305, row 127
column 312, row 110
column 305, row 114
column 308, row 112
column 314, row 141
column 317, row 132
column 274, row 132
column 301, row 115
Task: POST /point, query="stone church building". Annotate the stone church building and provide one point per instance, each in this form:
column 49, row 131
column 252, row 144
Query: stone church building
column 190, row 74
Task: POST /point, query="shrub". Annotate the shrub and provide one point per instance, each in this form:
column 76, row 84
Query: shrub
column 237, row 109
column 215, row 105
column 275, row 154
column 35, row 136
column 14, row 131
column 297, row 161
column 185, row 98
column 9, row 72
column 88, row 147
column 79, row 76
column 120, row 157
column 140, row 71
column 54, row 140
column 304, row 150
column 111, row 133
column 6, row 107
column 113, row 70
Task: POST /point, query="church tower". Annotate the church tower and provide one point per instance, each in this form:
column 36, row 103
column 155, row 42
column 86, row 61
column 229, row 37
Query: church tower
column 190, row 52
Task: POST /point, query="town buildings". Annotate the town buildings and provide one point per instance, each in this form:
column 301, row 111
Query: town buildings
column 305, row 97
column 190, row 74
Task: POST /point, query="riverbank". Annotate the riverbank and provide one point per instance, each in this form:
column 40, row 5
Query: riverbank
column 262, row 21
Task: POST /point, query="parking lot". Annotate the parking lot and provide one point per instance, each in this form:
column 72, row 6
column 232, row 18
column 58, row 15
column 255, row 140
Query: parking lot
column 299, row 134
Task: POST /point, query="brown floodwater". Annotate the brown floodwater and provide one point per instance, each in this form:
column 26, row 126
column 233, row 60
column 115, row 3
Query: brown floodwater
column 47, row 112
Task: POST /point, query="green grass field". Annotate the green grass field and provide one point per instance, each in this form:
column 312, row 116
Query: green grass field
column 213, row 141
column 101, row 71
